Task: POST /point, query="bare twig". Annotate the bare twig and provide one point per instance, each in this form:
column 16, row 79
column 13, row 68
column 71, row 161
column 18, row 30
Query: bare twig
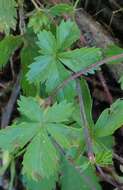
column 117, row 157
column 106, row 89
column 6, row 114
column 35, row 4
column 12, row 67
column 21, row 18
column 107, row 178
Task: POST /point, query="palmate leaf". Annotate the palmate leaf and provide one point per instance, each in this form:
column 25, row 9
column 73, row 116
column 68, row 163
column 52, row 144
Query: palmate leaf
column 36, row 131
column 78, row 179
column 50, row 66
column 110, row 120
column 8, row 15
column 7, row 46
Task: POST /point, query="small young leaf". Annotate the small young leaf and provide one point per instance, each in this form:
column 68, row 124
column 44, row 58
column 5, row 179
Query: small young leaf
column 104, row 158
column 7, row 47
column 60, row 9
column 39, row 21
column 110, row 120
column 8, row 15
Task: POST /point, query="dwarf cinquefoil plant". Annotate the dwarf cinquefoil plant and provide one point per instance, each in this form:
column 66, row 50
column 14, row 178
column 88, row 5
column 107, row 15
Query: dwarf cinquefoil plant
column 55, row 134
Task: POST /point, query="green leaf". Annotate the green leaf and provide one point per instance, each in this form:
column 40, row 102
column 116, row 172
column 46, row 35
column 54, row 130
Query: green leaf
column 39, row 70
column 17, row 136
column 27, row 55
column 34, row 129
column 87, row 102
column 44, row 184
column 60, row 9
column 104, row 158
column 110, row 120
column 7, row 47
column 41, row 158
column 8, row 15
column 39, row 21
column 30, row 108
column 59, row 112
column 76, row 179
column 66, row 136
column 113, row 50
column 103, row 150
column 81, row 58
column 49, row 67
column 47, row 42
column 45, row 68
column 66, row 34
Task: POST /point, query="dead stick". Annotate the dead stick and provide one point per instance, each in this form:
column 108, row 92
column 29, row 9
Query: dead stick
column 7, row 112
column 106, row 89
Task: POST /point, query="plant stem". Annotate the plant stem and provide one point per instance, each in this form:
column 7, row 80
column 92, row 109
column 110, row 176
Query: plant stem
column 12, row 171
column 107, row 177
column 87, row 179
column 85, row 71
column 76, row 3
column 35, row 4
column 85, row 126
